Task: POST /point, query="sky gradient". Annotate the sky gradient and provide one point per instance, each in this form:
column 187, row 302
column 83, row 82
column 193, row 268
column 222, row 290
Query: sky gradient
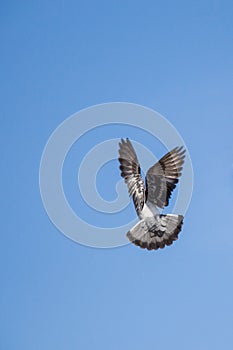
column 60, row 57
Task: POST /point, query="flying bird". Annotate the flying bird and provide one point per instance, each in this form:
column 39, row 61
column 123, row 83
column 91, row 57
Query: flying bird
column 154, row 230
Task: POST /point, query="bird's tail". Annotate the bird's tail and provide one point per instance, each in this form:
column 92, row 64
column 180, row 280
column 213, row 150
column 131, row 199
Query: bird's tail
column 163, row 230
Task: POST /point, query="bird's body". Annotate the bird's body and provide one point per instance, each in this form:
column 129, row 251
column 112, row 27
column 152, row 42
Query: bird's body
column 149, row 210
column 154, row 230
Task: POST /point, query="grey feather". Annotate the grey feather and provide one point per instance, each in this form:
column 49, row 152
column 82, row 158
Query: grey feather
column 162, row 178
column 131, row 172
column 164, row 231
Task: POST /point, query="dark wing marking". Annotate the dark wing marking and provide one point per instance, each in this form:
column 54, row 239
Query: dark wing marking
column 131, row 172
column 161, row 179
column 164, row 231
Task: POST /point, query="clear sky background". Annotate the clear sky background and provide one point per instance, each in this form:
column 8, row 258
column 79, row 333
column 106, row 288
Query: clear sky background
column 58, row 57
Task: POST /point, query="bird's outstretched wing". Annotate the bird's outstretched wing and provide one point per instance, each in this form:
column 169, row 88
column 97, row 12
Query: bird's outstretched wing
column 131, row 172
column 161, row 178
column 162, row 231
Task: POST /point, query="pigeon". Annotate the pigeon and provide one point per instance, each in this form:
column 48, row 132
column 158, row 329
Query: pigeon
column 154, row 230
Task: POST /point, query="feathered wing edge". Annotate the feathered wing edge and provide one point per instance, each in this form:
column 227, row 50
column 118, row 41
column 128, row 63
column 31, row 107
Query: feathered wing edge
column 131, row 172
column 162, row 178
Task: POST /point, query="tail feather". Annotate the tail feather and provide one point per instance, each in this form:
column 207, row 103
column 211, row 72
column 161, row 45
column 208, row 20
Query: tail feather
column 162, row 231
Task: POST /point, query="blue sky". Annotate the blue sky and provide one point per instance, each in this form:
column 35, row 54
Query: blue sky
column 60, row 57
